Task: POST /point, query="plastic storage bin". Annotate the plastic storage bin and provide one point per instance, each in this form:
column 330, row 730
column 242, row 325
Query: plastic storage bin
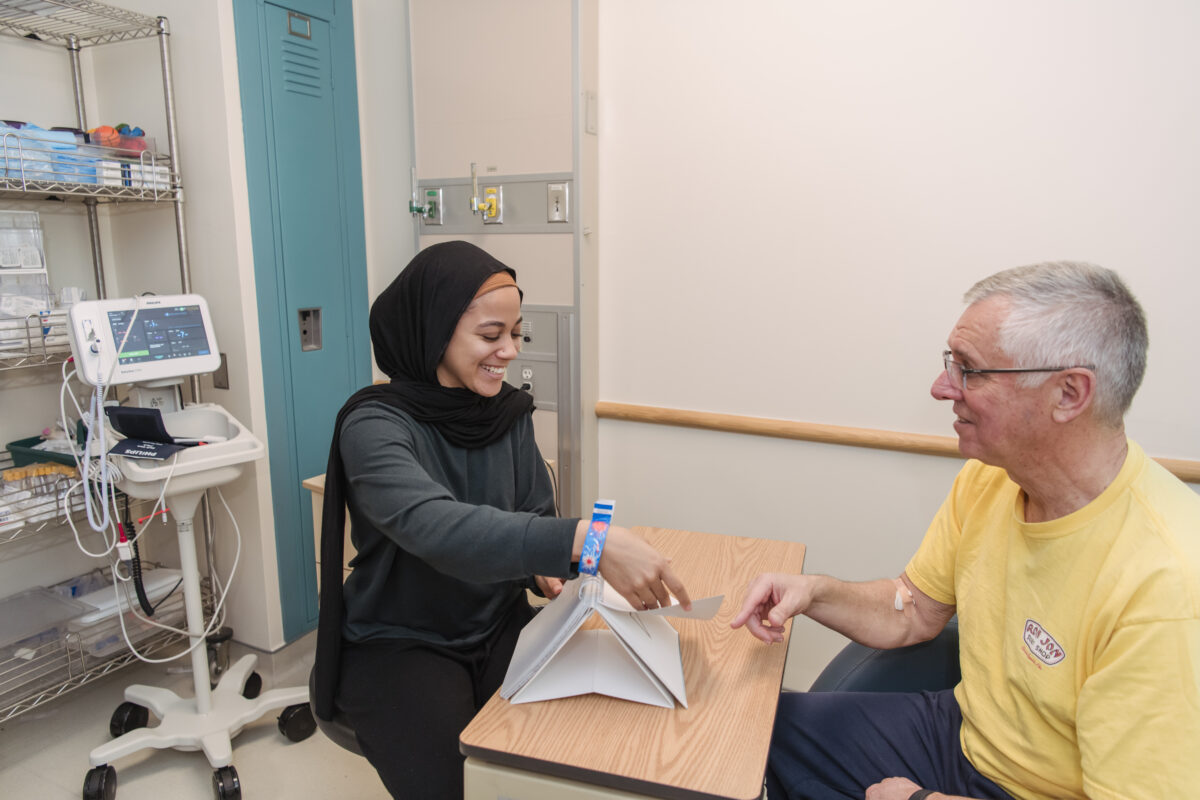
column 26, row 306
column 35, row 494
column 21, row 244
column 30, row 153
column 98, row 632
column 32, row 650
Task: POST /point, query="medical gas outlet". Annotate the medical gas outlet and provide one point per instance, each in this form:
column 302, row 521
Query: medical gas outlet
column 425, row 203
column 431, row 209
column 492, row 205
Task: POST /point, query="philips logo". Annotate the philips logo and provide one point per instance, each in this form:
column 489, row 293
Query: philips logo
column 1042, row 645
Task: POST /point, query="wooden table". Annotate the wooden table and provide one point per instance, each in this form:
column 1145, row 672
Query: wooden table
column 316, row 485
column 715, row 748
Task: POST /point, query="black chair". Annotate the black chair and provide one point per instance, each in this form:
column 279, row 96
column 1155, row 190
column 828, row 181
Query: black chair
column 929, row 666
column 337, row 729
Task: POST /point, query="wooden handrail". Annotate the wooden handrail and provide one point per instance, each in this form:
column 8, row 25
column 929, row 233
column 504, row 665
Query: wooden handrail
column 922, row 443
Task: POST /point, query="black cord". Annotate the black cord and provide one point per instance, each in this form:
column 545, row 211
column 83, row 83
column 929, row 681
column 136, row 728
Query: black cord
column 135, row 565
column 167, row 596
column 554, row 481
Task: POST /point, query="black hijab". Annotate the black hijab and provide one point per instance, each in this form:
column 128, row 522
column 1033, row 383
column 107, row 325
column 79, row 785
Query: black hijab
column 412, row 322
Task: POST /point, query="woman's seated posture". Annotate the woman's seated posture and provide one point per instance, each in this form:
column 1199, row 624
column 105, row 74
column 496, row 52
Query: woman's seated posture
column 452, row 515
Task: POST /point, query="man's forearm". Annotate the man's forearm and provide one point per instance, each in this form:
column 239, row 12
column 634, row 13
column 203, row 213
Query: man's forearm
column 866, row 612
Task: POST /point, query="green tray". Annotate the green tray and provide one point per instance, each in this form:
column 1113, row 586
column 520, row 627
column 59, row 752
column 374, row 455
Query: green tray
column 23, row 453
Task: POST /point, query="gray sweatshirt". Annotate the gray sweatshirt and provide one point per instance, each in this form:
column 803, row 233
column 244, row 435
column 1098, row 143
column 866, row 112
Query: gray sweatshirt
column 447, row 537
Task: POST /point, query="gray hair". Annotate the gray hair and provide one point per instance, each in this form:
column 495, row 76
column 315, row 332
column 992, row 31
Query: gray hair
column 1068, row 313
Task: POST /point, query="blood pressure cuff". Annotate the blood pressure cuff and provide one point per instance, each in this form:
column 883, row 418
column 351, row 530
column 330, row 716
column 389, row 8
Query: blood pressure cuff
column 139, row 423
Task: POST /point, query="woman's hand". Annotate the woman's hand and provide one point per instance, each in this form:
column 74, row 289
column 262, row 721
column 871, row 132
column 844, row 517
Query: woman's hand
column 638, row 572
column 549, row 587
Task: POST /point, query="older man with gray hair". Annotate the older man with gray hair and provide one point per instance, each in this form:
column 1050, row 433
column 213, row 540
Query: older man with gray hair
column 1071, row 559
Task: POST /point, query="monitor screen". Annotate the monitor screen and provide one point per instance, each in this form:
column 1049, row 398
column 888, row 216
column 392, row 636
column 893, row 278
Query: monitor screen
column 142, row 339
column 158, row 333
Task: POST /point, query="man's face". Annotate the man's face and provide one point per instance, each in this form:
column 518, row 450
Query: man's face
column 997, row 421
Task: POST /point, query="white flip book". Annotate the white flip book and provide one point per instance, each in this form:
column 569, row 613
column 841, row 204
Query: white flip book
column 637, row 658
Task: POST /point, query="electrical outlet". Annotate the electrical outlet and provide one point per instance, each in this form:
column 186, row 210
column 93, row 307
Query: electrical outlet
column 538, row 378
column 526, row 384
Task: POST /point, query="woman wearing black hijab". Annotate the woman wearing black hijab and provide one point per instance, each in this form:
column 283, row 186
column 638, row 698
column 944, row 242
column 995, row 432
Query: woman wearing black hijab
column 452, row 516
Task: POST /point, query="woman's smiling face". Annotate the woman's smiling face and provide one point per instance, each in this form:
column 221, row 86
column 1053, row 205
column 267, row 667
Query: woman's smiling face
column 485, row 340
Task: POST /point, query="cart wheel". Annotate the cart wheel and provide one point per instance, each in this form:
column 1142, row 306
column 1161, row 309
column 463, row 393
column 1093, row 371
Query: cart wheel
column 100, row 783
column 226, row 785
column 297, row 723
column 253, row 686
column 128, row 717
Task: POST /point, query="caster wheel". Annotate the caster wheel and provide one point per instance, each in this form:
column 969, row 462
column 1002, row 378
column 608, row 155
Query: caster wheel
column 297, row 723
column 253, row 686
column 128, row 717
column 100, row 783
column 226, row 785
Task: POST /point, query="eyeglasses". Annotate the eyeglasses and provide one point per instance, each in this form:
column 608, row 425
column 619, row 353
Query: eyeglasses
column 958, row 373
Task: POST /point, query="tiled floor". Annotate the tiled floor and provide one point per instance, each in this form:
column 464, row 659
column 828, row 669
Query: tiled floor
column 44, row 752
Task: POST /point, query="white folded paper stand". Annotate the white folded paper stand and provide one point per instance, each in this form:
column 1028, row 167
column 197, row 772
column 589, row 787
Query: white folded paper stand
column 637, row 658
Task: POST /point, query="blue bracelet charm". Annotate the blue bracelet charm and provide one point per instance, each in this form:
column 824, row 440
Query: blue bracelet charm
column 593, row 542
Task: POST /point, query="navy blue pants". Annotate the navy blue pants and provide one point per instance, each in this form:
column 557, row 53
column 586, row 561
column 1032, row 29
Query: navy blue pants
column 833, row 745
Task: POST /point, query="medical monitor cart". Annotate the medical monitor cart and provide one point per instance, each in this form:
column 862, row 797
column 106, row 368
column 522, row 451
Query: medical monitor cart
column 149, row 341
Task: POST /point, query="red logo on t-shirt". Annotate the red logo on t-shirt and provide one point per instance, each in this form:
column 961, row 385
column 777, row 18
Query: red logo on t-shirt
column 1042, row 644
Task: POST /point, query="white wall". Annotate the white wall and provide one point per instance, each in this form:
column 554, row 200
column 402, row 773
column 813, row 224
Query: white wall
column 793, row 198
column 492, row 84
column 385, row 130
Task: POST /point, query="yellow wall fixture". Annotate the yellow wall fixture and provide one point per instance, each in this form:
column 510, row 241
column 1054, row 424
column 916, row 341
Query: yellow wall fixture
column 925, row 444
column 491, row 205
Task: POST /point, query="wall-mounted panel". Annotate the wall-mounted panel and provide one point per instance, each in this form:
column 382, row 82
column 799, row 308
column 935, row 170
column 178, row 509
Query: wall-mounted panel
column 525, row 204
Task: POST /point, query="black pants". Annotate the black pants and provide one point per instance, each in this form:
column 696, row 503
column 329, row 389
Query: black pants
column 833, row 745
column 409, row 701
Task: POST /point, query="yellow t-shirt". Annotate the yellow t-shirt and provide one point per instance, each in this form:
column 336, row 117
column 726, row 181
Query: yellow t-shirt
column 1079, row 637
